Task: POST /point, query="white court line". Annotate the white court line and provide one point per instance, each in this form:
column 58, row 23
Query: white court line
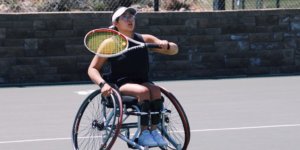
column 201, row 130
column 246, row 128
column 34, row 140
column 84, row 92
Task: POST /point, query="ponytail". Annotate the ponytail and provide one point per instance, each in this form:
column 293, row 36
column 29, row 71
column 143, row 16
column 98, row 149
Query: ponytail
column 113, row 27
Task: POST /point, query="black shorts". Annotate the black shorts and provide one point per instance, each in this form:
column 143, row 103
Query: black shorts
column 121, row 81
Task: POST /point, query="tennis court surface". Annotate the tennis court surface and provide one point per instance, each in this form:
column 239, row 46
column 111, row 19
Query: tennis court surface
column 224, row 114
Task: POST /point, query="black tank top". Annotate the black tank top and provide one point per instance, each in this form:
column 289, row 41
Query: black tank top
column 132, row 66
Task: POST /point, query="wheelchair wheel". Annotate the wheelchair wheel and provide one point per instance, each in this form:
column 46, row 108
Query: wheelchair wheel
column 97, row 122
column 175, row 125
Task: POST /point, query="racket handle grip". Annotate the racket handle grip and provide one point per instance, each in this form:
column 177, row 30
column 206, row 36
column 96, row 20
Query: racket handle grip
column 152, row 45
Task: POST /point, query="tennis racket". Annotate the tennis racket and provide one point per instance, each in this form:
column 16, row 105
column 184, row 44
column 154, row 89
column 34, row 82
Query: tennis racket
column 110, row 43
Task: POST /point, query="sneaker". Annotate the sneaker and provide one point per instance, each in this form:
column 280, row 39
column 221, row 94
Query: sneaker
column 159, row 138
column 146, row 139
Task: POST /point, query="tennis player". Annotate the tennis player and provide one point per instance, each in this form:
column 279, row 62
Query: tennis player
column 130, row 73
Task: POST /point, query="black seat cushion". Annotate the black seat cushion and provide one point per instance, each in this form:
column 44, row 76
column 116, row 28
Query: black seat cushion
column 128, row 101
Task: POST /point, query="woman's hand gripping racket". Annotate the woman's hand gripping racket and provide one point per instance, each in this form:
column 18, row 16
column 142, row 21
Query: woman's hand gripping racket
column 110, row 43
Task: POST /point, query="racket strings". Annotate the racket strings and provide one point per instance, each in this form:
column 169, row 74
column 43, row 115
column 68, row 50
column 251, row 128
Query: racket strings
column 106, row 43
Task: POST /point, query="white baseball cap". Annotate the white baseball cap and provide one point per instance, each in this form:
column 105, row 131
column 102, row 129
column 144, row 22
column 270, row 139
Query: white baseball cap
column 120, row 11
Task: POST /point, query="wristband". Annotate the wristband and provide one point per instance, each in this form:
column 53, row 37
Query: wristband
column 168, row 46
column 101, row 84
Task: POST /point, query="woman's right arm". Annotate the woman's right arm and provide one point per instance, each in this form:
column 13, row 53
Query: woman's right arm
column 93, row 70
column 94, row 74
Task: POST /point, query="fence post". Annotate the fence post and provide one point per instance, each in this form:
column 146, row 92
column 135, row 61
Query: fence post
column 219, row 5
column 277, row 3
column 240, row 4
column 156, row 5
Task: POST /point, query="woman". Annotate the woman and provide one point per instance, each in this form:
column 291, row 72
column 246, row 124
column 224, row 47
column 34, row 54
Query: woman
column 130, row 73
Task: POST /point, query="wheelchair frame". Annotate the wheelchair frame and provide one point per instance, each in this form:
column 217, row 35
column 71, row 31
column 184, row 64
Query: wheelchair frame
column 99, row 121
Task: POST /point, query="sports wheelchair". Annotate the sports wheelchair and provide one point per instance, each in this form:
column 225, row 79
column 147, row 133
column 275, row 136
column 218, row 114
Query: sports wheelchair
column 100, row 120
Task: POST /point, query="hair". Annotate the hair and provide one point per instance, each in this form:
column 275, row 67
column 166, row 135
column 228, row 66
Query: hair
column 117, row 19
column 113, row 27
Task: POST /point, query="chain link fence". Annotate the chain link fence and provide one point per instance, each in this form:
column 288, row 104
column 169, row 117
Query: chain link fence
column 142, row 5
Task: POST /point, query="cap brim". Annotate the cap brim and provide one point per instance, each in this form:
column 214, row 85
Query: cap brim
column 121, row 11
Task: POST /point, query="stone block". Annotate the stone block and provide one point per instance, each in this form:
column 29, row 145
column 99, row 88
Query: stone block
column 261, row 37
column 11, row 52
column 199, row 39
column 206, row 23
column 290, row 43
column 19, row 33
column 5, row 64
column 266, row 45
column 64, row 33
column 49, row 78
column 226, row 46
column 76, row 50
column 39, row 25
column 297, row 60
column 236, row 63
column 266, row 20
column 43, row 34
column 23, row 73
column 24, row 24
column 50, row 47
column 213, row 60
column 6, row 24
column 295, row 25
column 166, row 21
column 237, row 29
column 2, row 33
column 82, row 23
column 172, row 30
column 59, row 24
column 27, row 61
column 31, row 47
column 13, row 43
column 239, row 37
column 212, row 31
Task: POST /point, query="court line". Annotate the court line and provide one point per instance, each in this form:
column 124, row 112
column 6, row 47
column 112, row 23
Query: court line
column 84, row 92
column 34, row 140
column 247, row 128
column 200, row 130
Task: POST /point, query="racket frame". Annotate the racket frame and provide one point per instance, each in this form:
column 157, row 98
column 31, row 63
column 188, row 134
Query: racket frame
column 139, row 44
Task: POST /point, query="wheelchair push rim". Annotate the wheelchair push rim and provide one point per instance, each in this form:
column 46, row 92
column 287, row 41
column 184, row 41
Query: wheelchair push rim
column 178, row 135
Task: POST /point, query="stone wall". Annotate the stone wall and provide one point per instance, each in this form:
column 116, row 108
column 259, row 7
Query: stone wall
column 43, row 48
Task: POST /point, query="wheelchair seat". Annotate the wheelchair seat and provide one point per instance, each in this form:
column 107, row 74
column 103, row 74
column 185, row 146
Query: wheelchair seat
column 127, row 101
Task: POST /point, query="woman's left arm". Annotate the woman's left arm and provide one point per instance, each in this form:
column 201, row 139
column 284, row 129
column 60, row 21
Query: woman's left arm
column 168, row 48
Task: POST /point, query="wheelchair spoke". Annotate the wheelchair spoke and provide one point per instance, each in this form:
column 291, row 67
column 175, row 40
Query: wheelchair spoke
column 95, row 124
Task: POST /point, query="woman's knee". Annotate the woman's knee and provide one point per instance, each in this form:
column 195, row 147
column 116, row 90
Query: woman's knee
column 139, row 91
column 143, row 92
column 155, row 92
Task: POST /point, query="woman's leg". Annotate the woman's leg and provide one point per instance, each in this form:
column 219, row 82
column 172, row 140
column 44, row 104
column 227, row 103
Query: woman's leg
column 156, row 105
column 143, row 95
column 154, row 90
column 149, row 97
column 137, row 90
